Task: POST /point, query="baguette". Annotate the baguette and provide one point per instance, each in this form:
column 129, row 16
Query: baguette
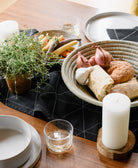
column 99, row 82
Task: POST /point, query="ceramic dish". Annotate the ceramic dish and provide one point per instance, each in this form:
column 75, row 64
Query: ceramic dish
column 15, row 141
column 125, row 50
column 58, row 33
column 95, row 27
column 35, row 149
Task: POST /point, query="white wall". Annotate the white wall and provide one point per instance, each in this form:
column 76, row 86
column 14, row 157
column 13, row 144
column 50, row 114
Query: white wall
column 107, row 5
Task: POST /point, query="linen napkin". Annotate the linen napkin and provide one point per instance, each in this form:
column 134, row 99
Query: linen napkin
column 124, row 34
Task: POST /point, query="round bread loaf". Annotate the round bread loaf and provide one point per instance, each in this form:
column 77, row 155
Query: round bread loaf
column 121, row 71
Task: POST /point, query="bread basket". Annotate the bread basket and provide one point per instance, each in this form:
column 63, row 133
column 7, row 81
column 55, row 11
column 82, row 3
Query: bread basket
column 124, row 50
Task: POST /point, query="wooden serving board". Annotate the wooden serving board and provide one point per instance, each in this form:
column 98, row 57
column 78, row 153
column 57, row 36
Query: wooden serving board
column 119, row 154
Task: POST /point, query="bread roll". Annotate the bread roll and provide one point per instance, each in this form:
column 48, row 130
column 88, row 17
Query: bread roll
column 120, row 71
column 129, row 88
column 99, row 82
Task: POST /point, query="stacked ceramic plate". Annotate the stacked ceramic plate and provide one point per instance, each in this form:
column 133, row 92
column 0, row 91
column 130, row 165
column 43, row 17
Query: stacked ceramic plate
column 16, row 142
column 124, row 50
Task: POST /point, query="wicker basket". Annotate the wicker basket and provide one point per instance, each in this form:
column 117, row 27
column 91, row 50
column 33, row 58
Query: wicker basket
column 124, row 50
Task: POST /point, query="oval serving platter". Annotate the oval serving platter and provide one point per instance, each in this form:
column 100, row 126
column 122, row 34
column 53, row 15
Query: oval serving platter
column 58, row 33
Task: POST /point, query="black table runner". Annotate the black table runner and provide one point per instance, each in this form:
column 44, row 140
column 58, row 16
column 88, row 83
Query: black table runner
column 53, row 100
column 124, row 34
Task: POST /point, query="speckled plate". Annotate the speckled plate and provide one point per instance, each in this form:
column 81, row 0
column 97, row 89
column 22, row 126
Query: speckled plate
column 95, row 27
column 125, row 50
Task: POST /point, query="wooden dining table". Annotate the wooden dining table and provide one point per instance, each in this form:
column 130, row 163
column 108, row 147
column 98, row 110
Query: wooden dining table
column 44, row 15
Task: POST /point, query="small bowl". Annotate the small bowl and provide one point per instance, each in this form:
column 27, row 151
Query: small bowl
column 59, row 135
column 15, row 141
column 125, row 50
column 58, row 33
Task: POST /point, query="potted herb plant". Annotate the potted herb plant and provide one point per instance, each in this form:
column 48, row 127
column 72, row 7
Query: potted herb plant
column 22, row 58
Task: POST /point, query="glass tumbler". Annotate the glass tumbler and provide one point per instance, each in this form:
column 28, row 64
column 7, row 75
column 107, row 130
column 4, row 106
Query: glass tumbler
column 59, row 135
column 70, row 24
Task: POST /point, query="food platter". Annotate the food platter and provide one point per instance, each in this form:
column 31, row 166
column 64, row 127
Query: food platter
column 58, row 33
column 57, row 43
column 126, row 50
column 95, row 27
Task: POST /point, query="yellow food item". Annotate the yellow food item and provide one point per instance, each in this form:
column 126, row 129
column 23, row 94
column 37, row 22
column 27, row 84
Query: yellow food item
column 129, row 88
column 51, row 41
column 65, row 47
column 134, row 7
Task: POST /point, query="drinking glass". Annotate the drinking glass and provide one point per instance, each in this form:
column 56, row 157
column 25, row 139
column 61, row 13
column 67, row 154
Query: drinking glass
column 70, row 24
column 59, row 135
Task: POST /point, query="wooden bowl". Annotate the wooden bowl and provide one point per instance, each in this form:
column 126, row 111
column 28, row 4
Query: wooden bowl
column 124, row 50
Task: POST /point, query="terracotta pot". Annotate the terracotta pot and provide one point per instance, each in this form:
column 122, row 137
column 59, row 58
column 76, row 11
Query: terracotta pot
column 19, row 85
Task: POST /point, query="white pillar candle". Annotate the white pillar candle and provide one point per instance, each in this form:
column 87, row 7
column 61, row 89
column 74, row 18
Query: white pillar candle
column 115, row 120
column 7, row 29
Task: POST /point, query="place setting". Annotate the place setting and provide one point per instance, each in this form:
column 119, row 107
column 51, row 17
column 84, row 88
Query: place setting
column 88, row 90
column 113, row 37
column 82, row 73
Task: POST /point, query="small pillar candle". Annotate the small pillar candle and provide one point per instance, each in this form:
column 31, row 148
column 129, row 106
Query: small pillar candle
column 7, row 29
column 115, row 120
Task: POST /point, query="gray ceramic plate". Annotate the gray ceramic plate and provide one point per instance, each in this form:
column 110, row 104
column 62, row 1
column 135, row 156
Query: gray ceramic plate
column 95, row 27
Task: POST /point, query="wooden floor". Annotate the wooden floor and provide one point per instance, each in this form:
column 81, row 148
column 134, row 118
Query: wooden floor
column 4, row 4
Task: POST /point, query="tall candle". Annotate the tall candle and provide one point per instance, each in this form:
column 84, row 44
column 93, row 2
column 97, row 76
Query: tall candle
column 115, row 120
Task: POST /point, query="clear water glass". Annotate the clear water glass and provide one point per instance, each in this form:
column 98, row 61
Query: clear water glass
column 59, row 135
column 70, row 24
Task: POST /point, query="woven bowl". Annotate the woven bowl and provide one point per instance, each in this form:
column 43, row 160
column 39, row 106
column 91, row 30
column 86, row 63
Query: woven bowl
column 124, row 50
